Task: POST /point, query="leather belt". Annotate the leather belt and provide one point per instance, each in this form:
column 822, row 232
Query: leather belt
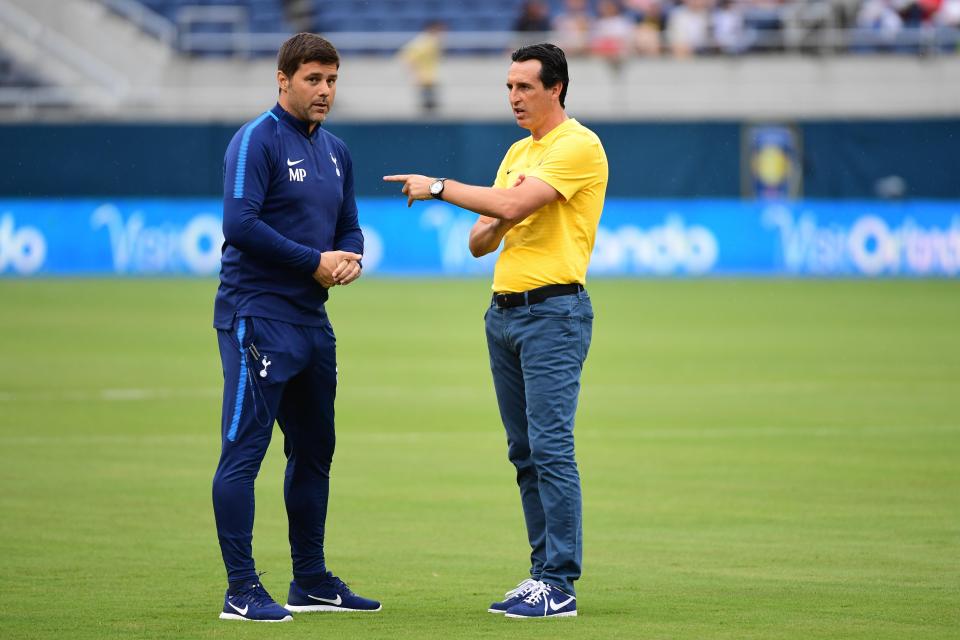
column 533, row 296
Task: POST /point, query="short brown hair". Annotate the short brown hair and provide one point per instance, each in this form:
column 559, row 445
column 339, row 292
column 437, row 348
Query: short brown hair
column 305, row 47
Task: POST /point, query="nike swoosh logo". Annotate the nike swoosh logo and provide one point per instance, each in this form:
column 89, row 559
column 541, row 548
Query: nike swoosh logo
column 509, row 171
column 335, row 603
column 291, row 163
column 242, row 612
column 555, row 606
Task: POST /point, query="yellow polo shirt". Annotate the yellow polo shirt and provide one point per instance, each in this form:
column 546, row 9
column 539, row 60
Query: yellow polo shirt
column 553, row 244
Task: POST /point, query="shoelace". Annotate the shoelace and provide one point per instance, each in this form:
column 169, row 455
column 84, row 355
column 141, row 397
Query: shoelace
column 256, row 594
column 340, row 583
column 521, row 589
column 539, row 590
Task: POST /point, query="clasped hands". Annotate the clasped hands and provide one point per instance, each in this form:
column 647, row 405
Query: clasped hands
column 337, row 268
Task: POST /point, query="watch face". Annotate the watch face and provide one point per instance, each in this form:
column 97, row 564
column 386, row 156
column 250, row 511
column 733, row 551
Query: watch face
column 436, row 187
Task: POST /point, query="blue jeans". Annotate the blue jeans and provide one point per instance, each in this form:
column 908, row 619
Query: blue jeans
column 536, row 355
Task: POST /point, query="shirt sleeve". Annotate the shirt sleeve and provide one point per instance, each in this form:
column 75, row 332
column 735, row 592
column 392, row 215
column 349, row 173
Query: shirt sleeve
column 568, row 166
column 247, row 168
column 348, row 236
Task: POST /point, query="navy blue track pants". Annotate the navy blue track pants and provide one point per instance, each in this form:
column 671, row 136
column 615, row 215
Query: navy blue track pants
column 274, row 370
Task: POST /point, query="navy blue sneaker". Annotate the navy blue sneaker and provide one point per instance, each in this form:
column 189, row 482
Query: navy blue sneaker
column 332, row 595
column 544, row 601
column 255, row 604
column 514, row 596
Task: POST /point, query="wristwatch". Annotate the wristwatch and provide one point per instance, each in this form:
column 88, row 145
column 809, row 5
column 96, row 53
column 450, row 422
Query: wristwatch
column 436, row 188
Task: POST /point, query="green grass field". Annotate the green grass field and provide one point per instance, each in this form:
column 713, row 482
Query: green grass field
column 760, row 459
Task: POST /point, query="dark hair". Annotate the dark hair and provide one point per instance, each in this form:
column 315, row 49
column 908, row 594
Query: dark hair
column 305, row 47
column 553, row 63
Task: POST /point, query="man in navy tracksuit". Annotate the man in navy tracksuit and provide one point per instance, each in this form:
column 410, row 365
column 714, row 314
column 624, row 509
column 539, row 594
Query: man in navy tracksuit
column 291, row 232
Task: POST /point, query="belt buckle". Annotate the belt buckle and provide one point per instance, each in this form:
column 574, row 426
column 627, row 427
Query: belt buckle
column 505, row 300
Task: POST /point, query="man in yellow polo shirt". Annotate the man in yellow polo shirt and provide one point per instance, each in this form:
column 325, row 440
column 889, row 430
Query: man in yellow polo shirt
column 545, row 207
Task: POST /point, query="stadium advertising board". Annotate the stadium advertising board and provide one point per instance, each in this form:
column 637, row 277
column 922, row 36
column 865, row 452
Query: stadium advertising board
column 636, row 238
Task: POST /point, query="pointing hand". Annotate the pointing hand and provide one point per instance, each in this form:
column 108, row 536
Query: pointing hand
column 415, row 186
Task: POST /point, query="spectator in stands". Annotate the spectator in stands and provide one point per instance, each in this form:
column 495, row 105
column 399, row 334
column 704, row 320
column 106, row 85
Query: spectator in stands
column 881, row 20
column 948, row 15
column 534, row 17
column 423, row 55
column 649, row 23
column 730, row 32
column 688, row 28
column 572, row 27
column 947, row 22
column 846, row 12
column 612, row 33
column 916, row 16
column 911, row 12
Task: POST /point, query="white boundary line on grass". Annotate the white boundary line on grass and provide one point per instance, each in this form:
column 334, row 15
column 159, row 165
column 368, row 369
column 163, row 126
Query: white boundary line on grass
column 110, row 395
column 419, row 437
column 436, row 392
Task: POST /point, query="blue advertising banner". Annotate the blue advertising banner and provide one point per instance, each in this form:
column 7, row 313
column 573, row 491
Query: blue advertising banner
column 636, row 237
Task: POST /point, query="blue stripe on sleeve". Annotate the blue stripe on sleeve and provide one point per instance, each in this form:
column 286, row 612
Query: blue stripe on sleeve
column 242, row 155
column 241, row 384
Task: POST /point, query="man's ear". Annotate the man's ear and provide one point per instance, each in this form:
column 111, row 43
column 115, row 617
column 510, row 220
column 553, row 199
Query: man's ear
column 282, row 81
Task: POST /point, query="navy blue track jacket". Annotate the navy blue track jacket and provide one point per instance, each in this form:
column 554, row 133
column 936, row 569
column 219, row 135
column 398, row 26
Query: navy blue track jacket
column 287, row 197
